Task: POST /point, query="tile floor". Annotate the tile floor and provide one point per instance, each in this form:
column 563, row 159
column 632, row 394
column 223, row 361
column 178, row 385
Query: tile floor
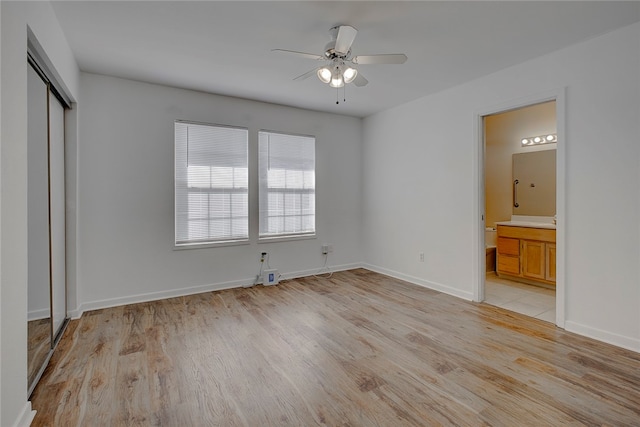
column 526, row 299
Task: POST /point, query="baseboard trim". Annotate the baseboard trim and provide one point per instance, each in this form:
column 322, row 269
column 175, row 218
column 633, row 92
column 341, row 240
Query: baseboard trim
column 173, row 293
column 26, row 417
column 421, row 282
column 154, row 296
column 38, row 314
column 318, row 271
column 622, row 341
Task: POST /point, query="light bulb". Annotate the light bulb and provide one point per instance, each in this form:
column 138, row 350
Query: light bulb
column 336, row 81
column 324, row 74
column 525, row 141
column 549, row 137
column 350, row 74
column 537, row 139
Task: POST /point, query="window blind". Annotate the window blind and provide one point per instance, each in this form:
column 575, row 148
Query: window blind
column 211, row 184
column 286, row 185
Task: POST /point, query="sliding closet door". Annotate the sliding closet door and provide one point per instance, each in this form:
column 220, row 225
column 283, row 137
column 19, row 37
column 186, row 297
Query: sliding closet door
column 57, row 213
column 47, row 296
column 38, row 291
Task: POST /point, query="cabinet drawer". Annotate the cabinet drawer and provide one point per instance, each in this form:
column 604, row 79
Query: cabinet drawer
column 508, row 264
column 507, row 246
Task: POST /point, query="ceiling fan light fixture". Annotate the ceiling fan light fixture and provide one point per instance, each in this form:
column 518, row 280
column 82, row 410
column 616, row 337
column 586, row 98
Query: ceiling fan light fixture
column 324, row 74
column 349, row 74
column 339, row 66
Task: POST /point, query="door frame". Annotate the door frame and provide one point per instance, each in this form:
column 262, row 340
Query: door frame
column 559, row 96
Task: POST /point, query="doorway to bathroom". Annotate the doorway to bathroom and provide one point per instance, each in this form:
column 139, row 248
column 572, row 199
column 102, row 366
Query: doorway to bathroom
column 519, row 194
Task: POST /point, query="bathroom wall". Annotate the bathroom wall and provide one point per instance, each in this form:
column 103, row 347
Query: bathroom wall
column 503, row 133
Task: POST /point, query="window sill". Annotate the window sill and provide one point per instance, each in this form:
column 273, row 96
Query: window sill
column 210, row 245
column 276, row 239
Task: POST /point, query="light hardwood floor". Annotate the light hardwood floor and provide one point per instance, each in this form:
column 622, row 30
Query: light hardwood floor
column 359, row 349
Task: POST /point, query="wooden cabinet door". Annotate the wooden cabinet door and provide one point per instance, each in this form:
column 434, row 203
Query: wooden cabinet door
column 508, row 264
column 508, row 246
column 550, row 270
column 533, row 259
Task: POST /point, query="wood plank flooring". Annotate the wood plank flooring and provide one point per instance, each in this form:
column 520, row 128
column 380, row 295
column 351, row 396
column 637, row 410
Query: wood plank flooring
column 359, row 349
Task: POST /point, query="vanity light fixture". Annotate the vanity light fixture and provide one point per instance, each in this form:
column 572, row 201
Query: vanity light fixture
column 539, row 140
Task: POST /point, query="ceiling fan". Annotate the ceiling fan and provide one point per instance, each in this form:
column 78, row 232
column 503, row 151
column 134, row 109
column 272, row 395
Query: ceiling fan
column 339, row 66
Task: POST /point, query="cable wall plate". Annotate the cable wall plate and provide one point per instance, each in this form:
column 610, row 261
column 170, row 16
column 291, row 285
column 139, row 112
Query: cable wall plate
column 270, row 277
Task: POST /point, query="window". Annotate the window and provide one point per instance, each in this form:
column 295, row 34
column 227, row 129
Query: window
column 211, row 184
column 287, row 185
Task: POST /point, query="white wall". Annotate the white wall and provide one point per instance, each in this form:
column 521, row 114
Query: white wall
column 420, row 186
column 1, row 240
column 125, row 193
column 16, row 18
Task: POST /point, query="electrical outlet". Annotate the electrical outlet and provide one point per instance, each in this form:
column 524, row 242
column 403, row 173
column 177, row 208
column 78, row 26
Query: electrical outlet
column 421, row 256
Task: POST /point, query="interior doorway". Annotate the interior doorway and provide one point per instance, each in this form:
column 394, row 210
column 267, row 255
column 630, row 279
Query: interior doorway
column 521, row 268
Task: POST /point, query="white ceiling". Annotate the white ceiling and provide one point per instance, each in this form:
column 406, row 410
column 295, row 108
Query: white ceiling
column 225, row 47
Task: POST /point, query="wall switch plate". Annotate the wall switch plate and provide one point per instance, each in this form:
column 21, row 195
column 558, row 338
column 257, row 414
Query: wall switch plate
column 270, row 277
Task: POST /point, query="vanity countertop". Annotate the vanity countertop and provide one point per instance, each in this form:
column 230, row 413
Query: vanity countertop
column 529, row 224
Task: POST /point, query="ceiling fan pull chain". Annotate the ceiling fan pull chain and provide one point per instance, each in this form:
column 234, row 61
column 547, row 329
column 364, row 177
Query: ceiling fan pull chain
column 337, row 95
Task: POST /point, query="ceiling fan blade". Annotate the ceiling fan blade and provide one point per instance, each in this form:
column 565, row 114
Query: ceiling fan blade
column 346, row 36
column 390, row 58
column 307, row 74
column 301, row 54
column 360, row 80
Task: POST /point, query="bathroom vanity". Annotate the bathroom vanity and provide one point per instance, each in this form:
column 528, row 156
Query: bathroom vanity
column 527, row 251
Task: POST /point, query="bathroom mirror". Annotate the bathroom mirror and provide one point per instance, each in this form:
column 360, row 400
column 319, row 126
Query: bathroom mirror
column 534, row 183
